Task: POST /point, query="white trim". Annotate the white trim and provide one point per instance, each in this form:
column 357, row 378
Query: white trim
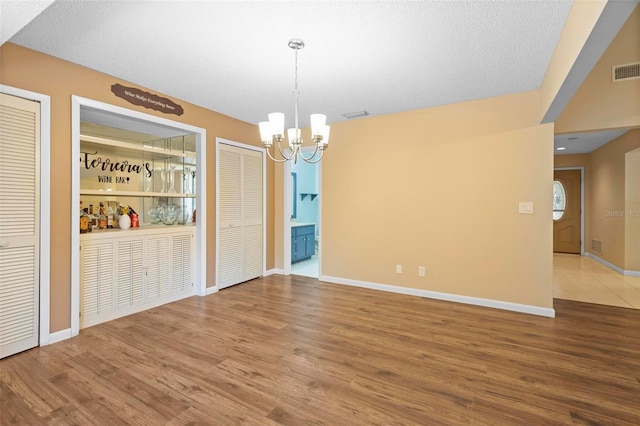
column 497, row 304
column 274, row 271
column 286, row 239
column 45, row 206
column 211, row 290
column 612, row 266
column 264, row 200
column 201, row 199
column 581, row 168
column 59, row 336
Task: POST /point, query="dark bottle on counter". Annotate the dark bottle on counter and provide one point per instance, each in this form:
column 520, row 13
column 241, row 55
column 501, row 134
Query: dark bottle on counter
column 93, row 219
column 102, row 219
column 84, row 220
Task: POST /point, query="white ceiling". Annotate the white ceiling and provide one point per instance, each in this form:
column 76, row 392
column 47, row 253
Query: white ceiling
column 584, row 143
column 378, row 56
column 232, row 56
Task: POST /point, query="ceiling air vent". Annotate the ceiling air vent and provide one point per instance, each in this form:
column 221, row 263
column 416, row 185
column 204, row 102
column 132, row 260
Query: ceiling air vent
column 625, row 72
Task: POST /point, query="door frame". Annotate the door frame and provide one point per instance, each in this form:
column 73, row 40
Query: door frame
column 45, row 205
column 201, row 196
column 581, row 168
column 288, row 192
column 261, row 150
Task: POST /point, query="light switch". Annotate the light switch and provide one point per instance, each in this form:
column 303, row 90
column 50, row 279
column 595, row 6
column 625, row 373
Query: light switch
column 525, row 207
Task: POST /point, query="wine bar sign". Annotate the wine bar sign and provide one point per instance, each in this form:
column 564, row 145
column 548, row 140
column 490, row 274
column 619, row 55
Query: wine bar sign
column 146, row 99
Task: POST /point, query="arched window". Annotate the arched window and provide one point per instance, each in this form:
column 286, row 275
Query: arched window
column 559, row 200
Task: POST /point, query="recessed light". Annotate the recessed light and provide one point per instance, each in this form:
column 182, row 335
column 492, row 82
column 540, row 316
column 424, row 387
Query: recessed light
column 561, row 148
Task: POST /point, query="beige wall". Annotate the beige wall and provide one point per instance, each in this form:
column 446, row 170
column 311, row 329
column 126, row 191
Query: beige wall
column 632, row 210
column 440, row 187
column 599, row 103
column 581, row 20
column 30, row 70
column 607, row 222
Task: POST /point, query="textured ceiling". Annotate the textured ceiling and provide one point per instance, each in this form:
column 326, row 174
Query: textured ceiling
column 378, row 56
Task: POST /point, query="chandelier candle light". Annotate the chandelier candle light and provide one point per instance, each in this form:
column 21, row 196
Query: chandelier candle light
column 273, row 130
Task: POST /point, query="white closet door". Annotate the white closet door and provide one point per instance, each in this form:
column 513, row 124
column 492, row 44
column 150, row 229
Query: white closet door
column 240, row 209
column 19, row 218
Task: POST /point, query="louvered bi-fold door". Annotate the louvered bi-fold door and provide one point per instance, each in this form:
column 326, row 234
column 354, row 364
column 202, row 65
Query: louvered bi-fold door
column 19, row 229
column 181, row 263
column 240, row 215
column 96, row 283
column 252, row 215
column 130, row 274
column 157, row 268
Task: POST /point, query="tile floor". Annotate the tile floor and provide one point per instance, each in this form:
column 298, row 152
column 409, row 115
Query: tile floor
column 307, row 268
column 583, row 279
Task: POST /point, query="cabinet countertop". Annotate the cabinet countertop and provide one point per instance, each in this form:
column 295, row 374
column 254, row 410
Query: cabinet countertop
column 296, row 224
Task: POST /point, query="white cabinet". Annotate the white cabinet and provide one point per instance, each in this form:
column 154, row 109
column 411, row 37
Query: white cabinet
column 122, row 273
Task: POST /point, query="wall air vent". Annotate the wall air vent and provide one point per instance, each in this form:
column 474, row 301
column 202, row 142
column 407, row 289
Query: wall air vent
column 625, row 72
column 596, row 247
column 357, row 114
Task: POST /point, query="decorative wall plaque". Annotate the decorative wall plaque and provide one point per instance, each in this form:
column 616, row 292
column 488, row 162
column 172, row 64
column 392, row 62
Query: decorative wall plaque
column 146, row 99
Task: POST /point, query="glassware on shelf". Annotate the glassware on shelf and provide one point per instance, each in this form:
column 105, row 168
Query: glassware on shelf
column 163, row 178
column 171, row 179
column 148, row 182
column 170, row 215
column 155, row 214
column 186, row 179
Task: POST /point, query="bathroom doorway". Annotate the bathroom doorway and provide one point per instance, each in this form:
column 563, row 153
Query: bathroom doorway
column 304, row 218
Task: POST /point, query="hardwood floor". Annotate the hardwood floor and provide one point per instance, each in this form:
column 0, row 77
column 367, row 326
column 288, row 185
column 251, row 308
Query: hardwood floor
column 295, row 351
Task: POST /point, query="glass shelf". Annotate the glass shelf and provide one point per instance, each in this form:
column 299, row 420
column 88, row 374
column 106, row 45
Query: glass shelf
column 146, row 151
column 134, row 193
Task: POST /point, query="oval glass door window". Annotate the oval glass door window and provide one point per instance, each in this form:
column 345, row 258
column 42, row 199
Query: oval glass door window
column 559, row 200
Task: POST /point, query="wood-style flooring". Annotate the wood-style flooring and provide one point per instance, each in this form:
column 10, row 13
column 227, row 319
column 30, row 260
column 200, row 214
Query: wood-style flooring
column 295, row 351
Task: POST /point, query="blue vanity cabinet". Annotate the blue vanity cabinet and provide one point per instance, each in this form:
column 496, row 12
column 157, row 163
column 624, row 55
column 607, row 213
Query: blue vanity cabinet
column 303, row 242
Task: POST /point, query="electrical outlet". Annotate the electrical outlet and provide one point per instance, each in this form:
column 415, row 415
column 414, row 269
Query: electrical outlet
column 398, row 269
column 421, row 271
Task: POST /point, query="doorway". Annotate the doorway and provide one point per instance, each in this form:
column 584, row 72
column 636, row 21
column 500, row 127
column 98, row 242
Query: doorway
column 567, row 211
column 305, row 219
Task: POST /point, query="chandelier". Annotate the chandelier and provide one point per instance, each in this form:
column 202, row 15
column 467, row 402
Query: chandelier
column 273, row 130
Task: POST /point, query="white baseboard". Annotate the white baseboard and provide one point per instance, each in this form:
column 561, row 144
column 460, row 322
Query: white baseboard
column 273, row 272
column 211, row 290
column 59, row 336
column 612, row 266
column 497, row 304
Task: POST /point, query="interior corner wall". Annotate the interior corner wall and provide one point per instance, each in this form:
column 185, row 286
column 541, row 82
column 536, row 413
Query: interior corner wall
column 632, row 210
column 30, row 70
column 599, row 103
column 608, row 209
column 440, row 188
column 580, row 160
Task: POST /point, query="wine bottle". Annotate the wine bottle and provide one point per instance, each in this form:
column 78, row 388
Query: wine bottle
column 102, row 219
column 84, row 220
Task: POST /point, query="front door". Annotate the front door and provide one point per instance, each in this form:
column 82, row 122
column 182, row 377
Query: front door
column 566, row 211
